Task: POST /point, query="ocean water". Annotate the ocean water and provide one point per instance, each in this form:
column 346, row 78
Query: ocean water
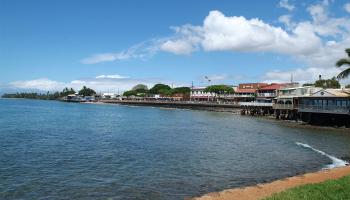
column 56, row 150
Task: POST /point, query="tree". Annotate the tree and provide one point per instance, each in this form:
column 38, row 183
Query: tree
column 344, row 62
column 347, row 86
column 181, row 90
column 308, row 84
column 329, row 83
column 130, row 93
column 86, row 91
column 219, row 89
column 160, row 89
column 140, row 88
column 66, row 92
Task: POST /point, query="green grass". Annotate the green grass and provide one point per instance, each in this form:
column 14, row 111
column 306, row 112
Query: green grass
column 334, row 189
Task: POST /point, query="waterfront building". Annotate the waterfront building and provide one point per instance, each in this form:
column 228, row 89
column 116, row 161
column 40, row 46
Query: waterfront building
column 326, row 106
column 180, row 97
column 269, row 92
column 246, row 92
column 287, row 98
column 109, row 95
column 198, row 94
column 251, row 85
column 73, row 98
column 89, row 99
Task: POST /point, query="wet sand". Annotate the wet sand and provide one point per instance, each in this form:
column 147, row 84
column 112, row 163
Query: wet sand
column 261, row 191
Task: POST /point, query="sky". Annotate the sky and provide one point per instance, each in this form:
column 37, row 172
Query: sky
column 112, row 45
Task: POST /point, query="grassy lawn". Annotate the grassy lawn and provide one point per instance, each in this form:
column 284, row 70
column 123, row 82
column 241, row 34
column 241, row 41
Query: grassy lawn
column 333, row 189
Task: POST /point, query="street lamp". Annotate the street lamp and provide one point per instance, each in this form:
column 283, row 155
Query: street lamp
column 207, row 78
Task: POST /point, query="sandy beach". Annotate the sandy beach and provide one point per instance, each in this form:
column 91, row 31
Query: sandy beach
column 261, row 191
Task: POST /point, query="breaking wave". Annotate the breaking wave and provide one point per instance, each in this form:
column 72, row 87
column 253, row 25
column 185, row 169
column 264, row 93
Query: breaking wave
column 336, row 162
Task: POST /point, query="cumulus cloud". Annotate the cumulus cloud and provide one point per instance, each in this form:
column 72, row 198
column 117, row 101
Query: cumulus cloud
column 285, row 4
column 317, row 42
column 335, row 36
column 223, row 33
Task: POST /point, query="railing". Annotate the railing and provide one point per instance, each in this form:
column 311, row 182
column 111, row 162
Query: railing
column 255, row 104
column 266, row 95
column 324, row 109
column 222, row 96
column 240, row 95
column 283, row 106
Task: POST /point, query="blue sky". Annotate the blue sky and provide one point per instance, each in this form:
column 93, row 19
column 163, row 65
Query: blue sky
column 48, row 45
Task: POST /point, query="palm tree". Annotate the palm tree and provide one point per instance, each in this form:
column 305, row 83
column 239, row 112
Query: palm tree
column 346, row 62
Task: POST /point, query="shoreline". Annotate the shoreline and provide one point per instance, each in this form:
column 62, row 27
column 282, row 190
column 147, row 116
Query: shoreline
column 261, row 191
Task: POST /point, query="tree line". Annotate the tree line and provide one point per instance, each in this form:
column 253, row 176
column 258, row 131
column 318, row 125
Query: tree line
column 141, row 90
column 49, row 95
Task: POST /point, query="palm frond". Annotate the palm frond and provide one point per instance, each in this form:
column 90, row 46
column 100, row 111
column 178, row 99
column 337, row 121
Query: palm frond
column 342, row 62
column 348, row 51
column 344, row 74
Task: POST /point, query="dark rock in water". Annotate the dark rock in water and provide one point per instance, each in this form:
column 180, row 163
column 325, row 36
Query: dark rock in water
column 346, row 158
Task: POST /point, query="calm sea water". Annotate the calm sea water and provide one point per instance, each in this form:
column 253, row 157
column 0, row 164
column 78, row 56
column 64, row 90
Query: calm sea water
column 56, row 150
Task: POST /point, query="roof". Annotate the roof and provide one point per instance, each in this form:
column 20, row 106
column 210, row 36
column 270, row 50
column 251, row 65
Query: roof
column 198, row 88
column 273, row 86
column 331, row 93
column 300, row 87
column 253, row 84
column 245, row 91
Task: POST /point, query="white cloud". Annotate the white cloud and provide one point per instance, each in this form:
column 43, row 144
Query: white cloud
column 177, row 47
column 98, row 84
column 299, row 75
column 347, row 7
column 114, row 76
column 42, row 84
column 286, row 20
column 218, row 77
column 222, row 33
column 319, row 12
column 142, row 50
column 335, row 36
column 106, row 57
column 317, row 43
column 285, row 4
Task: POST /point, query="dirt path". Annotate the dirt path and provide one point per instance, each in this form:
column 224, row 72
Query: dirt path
column 264, row 190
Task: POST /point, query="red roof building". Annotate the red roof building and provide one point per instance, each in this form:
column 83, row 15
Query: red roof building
column 270, row 91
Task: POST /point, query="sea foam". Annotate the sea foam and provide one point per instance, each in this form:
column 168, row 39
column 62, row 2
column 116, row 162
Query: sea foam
column 336, row 162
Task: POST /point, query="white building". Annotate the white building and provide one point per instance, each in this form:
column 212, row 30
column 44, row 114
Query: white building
column 109, row 96
column 198, row 94
column 288, row 97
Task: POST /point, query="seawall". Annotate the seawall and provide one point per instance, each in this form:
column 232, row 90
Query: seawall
column 218, row 107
